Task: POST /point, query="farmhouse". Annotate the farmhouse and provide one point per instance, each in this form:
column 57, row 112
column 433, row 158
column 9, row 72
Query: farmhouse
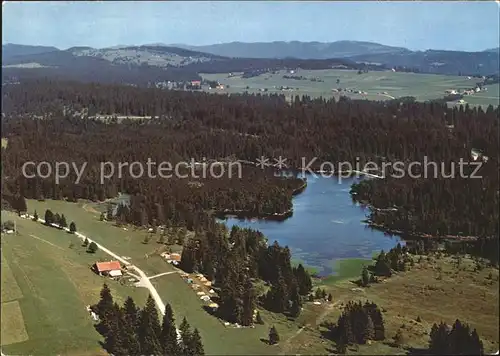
column 111, row 268
column 196, row 83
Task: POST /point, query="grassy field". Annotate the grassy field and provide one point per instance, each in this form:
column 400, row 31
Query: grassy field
column 46, row 285
column 4, row 142
column 434, row 290
column 395, row 85
column 217, row 338
column 485, row 98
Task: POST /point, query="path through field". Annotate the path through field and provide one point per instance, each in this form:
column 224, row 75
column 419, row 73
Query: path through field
column 143, row 281
column 317, row 322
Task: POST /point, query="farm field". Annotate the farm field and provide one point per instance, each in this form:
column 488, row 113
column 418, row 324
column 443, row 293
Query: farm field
column 471, row 296
column 485, row 98
column 46, row 285
column 393, row 84
column 217, row 338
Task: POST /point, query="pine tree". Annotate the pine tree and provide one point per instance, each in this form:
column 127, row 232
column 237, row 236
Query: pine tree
column 85, row 242
column 195, row 345
column 49, row 217
column 185, row 331
column 57, row 218
column 149, row 330
column 341, row 346
column 21, row 205
column 274, row 338
column 370, row 329
column 365, row 277
column 35, row 216
column 92, row 247
column 399, row 339
column 296, row 304
column 72, row 227
column 116, row 338
column 168, row 338
column 130, row 320
column 105, row 310
column 258, row 319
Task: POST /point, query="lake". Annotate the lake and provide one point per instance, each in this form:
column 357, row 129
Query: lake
column 326, row 226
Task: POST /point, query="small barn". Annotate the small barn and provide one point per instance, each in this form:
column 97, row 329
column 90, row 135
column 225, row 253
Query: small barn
column 111, row 268
column 175, row 257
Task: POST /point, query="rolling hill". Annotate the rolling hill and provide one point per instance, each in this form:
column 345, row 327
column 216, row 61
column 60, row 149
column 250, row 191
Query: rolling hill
column 296, row 49
column 430, row 61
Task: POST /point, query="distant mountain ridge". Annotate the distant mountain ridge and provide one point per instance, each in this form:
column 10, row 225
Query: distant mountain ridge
column 10, row 50
column 159, row 62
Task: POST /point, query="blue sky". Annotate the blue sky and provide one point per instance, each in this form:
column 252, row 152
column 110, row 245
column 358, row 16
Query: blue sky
column 415, row 25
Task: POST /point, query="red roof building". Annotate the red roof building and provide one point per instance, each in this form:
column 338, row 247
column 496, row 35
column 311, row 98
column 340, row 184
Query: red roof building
column 112, row 268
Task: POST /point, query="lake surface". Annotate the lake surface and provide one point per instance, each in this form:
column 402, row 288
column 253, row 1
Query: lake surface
column 326, row 226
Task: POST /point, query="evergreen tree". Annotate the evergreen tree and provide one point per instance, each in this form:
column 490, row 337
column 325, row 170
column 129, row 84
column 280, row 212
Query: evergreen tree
column 258, row 319
column 149, row 330
column 296, row 304
column 85, row 242
column 185, row 331
column 365, row 277
column 72, row 227
column 370, row 329
column 195, row 345
column 49, row 217
column 115, row 339
column 274, row 338
column 57, row 218
column 20, row 205
column 35, row 216
column 399, row 339
column 62, row 221
column 130, row 314
column 105, row 310
column 168, row 338
column 92, row 247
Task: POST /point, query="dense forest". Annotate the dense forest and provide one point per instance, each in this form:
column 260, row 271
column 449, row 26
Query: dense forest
column 198, row 125
column 233, row 261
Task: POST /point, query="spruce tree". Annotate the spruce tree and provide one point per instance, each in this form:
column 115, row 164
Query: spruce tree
column 274, row 338
column 370, row 329
column 35, row 216
column 168, row 337
column 49, row 217
column 62, row 221
column 72, row 227
column 185, row 332
column 149, row 329
column 258, row 319
column 105, row 309
column 130, row 314
column 365, row 277
column 195, row 345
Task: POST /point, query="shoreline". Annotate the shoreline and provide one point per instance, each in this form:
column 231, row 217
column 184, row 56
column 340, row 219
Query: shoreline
column 248, row 215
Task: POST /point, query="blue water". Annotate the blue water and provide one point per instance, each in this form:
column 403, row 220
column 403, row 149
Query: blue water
column 326, row 226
